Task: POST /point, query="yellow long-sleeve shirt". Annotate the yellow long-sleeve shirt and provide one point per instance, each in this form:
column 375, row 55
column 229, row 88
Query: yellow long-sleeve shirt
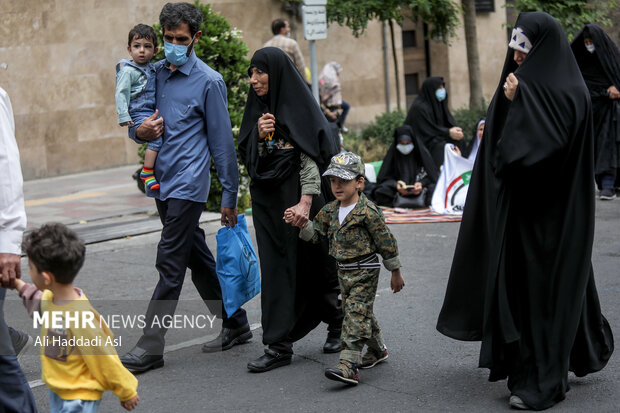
column 79, row 360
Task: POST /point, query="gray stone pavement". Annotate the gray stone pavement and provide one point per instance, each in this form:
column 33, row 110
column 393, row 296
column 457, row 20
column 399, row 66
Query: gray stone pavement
column 426, row 372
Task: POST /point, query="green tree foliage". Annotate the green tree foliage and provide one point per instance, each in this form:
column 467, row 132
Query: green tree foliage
column 222, row 48
column 441, row 15
column 572, row 14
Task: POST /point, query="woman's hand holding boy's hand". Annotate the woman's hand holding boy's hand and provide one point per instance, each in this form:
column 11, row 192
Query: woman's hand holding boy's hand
column 131, row 403
column 397, row 283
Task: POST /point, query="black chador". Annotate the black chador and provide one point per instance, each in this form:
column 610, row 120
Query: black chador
column 416, row 166
column 299, row 280
column 431, row 119
column 601, row 69
column 521, row 279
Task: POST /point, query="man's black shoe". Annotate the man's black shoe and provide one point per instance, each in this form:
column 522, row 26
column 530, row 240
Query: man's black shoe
column 227, row 338
column 269, row 361
column 21, row 342
column 139, row 360
column 332, row 345
column 607, row 194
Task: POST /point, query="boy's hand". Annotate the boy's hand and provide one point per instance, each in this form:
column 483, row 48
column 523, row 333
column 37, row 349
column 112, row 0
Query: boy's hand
column 131, row 403
column 19, row 284
column 288, row 215
column 397, row 283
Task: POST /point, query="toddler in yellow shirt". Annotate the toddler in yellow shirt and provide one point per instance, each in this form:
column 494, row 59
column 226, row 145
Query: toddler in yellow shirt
column 78, row 358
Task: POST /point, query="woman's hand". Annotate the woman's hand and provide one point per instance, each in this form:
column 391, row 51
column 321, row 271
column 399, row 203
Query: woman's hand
column 510, row 87
column 613, row 92
column 299, row 214
column 456, row 150
column 456, row 133
column 266, row 125
column 400, row 187
column 417, row 188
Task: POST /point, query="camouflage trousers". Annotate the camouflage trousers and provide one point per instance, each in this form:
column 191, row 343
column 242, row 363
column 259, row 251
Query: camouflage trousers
column 360, row 326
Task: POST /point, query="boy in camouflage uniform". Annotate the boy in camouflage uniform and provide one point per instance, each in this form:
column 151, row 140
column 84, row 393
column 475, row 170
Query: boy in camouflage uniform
column 356, row 231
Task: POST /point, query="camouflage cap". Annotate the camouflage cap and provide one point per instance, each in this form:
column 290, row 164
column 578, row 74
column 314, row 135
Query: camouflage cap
column 345, row 165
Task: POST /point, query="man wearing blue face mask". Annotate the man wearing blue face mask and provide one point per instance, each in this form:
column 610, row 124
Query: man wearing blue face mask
column 192, row 117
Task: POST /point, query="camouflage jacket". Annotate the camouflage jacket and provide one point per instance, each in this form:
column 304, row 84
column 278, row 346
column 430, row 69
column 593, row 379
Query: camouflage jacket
column 362, row 232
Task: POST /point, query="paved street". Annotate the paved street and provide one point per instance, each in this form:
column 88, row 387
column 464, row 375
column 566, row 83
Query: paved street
column 426, row 372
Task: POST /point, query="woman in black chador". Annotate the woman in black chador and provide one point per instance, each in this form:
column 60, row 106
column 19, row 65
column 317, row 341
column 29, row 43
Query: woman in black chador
column 431, row 120
column 521, row 278
column 284, row 144
column 407, row 161
column 599, row 60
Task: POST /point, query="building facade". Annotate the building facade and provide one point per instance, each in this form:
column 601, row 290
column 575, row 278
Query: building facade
column 57, row 61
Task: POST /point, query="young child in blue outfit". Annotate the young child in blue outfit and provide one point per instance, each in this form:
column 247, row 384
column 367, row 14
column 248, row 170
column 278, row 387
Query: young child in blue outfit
column 356, row 231
column 135, row 92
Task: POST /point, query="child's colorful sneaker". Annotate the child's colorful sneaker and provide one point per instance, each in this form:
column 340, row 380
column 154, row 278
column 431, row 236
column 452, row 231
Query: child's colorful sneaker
column 148, row 177
column 371, row 358
column 345, row 372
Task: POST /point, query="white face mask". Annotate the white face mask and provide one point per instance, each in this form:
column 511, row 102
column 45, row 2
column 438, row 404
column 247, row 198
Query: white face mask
column 590, row 48
column 405, row 149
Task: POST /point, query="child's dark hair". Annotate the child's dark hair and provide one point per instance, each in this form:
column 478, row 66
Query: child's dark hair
column 142, row 31
column 56, row 249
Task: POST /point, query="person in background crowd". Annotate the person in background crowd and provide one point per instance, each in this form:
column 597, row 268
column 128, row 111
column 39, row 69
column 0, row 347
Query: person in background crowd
column 330, row 92
column 282, row 40
column 407, row 169
column 599, row 61
column 431, row 120
column 521, row 278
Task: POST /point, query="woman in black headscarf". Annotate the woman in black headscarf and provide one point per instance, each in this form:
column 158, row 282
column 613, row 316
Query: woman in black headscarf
column 521, row 278
column 431, row 120
column 407, row 161
column 284, row 144
column 599, row 60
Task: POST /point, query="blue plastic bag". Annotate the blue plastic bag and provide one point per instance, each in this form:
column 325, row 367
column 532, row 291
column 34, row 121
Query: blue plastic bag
column 237, row 266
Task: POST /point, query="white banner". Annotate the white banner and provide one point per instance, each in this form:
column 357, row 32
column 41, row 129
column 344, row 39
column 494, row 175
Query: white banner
column 451, row 190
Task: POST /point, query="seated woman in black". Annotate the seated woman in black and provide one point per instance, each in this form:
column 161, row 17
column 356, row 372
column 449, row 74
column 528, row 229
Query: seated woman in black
column 430, row 119
column 408, row 170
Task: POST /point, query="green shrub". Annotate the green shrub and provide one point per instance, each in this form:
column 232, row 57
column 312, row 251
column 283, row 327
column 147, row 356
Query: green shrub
column 222, row 48
column 468, row 120
column 374, row 140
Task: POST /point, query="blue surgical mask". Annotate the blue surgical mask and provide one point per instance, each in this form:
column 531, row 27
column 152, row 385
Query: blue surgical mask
column 177, row 54
column 440, row 94
column 405, row 149
column 590, row 48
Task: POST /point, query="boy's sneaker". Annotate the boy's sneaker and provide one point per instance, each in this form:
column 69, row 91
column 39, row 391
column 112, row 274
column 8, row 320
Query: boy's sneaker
column 371, row 359
column 345, row 372
column 607, row 194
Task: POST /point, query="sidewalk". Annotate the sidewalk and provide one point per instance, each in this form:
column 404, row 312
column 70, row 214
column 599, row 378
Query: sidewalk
column 99, row 205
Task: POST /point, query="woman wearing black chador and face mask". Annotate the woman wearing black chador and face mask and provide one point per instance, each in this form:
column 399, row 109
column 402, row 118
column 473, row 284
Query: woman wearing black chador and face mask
column 430, row 119
column 521, row 278
column 285, row 145
column 599, row 60
column 407, row 169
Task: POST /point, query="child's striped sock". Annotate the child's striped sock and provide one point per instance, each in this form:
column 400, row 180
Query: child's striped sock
column 148, row 177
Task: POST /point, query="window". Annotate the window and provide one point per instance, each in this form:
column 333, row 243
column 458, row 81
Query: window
column 411, row 84
column 409, row 38
column 484, row 6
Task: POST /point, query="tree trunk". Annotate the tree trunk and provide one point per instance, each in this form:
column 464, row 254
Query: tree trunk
column 476, row 99
column 396, row 73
